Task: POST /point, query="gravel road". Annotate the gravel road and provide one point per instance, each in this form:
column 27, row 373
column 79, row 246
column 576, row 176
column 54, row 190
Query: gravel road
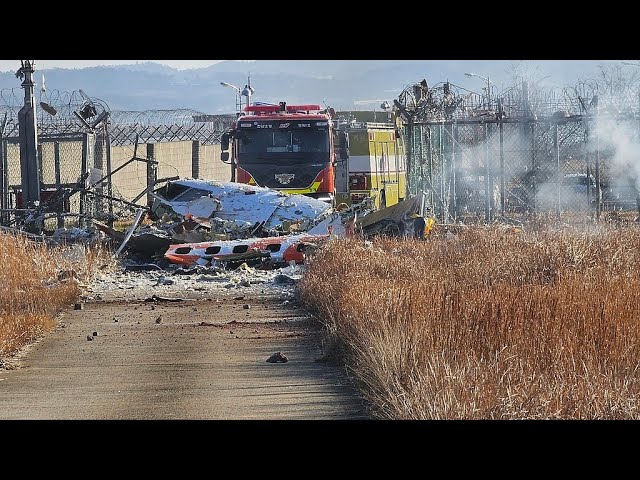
column 125, row 356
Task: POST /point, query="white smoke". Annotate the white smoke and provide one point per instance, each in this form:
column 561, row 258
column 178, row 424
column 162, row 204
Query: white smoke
column 619, row 150
column 619, row 140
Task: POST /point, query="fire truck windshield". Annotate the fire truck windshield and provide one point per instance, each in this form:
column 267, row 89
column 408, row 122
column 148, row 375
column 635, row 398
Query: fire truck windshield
column 264, row 145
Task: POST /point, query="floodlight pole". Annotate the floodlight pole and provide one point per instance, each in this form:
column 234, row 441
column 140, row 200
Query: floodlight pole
column 488, row 86
column 238, row 96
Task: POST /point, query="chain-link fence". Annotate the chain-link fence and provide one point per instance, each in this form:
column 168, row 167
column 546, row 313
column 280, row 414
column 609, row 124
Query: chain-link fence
column 479, row 170
column 98, row 164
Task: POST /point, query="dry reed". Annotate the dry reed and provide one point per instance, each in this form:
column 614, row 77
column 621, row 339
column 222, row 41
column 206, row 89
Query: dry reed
column 487, row 323
column 37, row 282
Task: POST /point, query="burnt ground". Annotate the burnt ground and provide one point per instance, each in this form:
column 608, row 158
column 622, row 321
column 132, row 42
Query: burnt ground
column 200, row 358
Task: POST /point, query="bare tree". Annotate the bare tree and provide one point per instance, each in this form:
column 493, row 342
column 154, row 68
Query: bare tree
column 613, row 90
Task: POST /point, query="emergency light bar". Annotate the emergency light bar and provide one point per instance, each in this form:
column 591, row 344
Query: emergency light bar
column 264, row 109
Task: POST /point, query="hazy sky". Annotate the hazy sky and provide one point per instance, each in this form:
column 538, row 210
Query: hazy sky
column 13, row 65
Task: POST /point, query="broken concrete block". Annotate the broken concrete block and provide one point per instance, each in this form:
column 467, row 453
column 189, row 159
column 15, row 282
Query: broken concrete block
column 284, row 279
column 278, row 357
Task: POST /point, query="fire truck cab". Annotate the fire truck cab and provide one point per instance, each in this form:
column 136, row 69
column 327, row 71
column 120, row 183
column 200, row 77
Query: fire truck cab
column 291, row 148
column 301, row 149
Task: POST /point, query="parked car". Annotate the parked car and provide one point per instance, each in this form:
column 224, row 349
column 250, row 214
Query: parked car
column 578, row 191
column 620, row 195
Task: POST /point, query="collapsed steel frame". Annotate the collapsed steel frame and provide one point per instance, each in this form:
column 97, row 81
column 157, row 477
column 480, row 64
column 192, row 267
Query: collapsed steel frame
column 60, row 122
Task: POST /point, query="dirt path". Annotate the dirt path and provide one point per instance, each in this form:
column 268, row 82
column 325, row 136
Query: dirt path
column 205, row 359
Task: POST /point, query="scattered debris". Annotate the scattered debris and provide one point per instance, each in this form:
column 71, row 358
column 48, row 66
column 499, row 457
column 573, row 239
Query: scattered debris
column 284, row 279
column 198, row 269
column 246, row 306
column 128, row 235
column 95, row 334
column 278, row 357
column 156, row 298
column 143, row 267
column 78, row 306
column 234, row 209
column 274, row 251
column 89, row 338
column 159, row 319
column 162, row 280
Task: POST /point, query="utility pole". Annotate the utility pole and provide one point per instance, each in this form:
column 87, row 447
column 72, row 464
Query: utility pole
column 28, row 135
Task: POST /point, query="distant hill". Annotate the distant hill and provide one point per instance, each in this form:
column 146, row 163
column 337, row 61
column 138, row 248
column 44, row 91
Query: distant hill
column 344, row 84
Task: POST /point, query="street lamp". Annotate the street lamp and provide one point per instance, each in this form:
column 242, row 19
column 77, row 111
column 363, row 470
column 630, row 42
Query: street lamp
column 238, row 95
column 488, row 86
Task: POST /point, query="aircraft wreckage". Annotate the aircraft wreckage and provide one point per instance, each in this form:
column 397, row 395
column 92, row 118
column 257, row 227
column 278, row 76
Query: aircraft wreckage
column 199, row 222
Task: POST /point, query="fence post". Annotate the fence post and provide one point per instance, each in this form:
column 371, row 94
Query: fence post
column 453, row 205
column 83, row 171
column 487, row 175
column 556, row 147
column 502, row 180
column 534, row 181
column 441, row 170
column 107, row 141
column 409, row 165
column 152, row 171
column 98, row 164
column 598, row 186
column 56, row 167
column 195, row 158
column 3, row 182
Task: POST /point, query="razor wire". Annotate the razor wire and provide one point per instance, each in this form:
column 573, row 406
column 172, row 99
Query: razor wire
column 167, row 125
column 477, row 157
column 124, row 127
column 523, row 150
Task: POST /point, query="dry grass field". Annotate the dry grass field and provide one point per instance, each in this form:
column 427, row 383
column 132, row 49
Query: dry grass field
column 487, row 323
column 36, row 282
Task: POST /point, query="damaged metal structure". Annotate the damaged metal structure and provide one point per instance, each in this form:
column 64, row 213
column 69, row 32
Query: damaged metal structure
column 268, row 253
column 72, row 181
column 67, row 159
column 187, row 212
column 197, row 222
column 237, row 210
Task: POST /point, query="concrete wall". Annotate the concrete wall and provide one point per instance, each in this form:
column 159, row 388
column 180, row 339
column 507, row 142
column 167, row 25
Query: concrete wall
column 132, row 179
column 211, row 168
column 174, row 159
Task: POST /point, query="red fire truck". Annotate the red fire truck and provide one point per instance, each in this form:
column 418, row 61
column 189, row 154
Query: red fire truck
column 292, row 148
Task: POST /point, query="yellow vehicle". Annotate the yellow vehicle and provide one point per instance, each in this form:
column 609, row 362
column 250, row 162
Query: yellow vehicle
column 376, row 166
